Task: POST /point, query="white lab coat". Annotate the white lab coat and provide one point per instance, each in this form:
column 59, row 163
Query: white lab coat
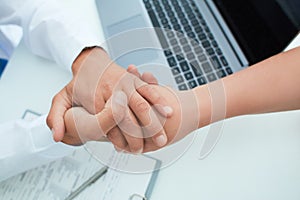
column 50, row 32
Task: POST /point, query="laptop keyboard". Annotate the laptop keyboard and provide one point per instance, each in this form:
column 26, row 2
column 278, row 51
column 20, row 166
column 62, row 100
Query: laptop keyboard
column 190, row 49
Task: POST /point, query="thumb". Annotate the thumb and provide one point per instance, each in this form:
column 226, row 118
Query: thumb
column 55, row 119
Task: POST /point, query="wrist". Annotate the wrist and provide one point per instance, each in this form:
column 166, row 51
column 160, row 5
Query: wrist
column 204, row 105
column 83, row 56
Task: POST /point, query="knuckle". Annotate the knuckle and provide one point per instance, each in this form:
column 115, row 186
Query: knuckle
column 136, row 146
column 117, row 139
column 146, row 89
column 116, row 115
column 55, row 98
column 156, row 99
column 142, row 106
column 49, row 121
column 112, row 136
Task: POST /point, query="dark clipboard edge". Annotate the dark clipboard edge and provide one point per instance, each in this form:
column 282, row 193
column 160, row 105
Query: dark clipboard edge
column 153, row 178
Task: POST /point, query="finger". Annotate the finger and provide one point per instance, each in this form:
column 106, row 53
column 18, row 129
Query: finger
column 55, row 119
column 151, row 124
column 113, row 112
column 81, row 127
column 132, row 132
column 133, row 70
column 152, row 95
column 149, row 78
column 149, row 146
column 117, row 139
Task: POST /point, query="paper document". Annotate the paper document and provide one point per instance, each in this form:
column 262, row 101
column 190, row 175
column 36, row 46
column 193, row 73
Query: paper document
column 58, row 179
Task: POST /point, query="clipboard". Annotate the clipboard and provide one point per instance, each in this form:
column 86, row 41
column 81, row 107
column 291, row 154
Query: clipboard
column 151, row 184
column 145, row 195
column 131, row 186
column 128, row 177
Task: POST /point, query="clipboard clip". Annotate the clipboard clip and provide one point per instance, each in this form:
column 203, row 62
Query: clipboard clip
column 137, row 197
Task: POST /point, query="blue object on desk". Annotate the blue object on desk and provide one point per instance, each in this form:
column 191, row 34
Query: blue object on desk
column 3, row 64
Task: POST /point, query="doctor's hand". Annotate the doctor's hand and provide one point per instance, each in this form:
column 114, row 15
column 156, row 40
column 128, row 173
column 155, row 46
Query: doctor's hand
column 95, row 77
column 186, row 107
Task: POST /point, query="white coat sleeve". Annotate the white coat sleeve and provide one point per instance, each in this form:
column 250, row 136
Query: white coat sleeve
column 49, row 30
column 25, row 145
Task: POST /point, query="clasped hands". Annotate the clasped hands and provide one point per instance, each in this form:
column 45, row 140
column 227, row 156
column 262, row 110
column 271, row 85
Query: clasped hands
column 104, row 102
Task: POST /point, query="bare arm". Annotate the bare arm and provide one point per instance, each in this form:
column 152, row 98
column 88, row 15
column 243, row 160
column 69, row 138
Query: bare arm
column 269, row 86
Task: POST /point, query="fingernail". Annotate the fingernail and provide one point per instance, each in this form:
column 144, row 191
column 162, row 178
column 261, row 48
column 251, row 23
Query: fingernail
column 139, row 151
column 161, row 140
column 168, row 110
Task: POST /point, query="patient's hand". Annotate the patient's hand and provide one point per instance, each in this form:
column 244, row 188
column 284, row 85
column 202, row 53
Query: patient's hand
column 186, row 111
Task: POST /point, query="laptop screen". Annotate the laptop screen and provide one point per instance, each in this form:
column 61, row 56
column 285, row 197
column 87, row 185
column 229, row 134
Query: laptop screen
column 262, row 27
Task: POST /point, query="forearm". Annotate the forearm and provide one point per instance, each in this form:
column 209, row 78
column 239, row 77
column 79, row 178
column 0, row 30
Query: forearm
column 269, row 86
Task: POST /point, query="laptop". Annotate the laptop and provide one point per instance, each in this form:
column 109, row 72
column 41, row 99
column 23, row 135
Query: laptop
column 187, row 43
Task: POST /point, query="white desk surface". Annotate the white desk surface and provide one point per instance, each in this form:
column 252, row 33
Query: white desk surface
column 257, row 157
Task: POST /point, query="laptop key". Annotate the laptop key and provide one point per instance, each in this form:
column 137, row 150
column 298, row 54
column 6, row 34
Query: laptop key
column 196, row 68
column 191, row 35
column 184, row 21
column 214, row 43
column 184, row 66
column 164, row 21
column 205, row 43
column 173, row 20
column 198, row 29
column 221, row 73
column 148, row 6
column 179, row 58
column 173, row 42
column 190, row 56
column 224, row 61
column 175, row 71
column 177, row 50
column 192, row 84
column 201, row 81
column 202, row 58
column 206, row 67
column 187, row 48
column 171, row 14
column 187, row 28
column 218, row 51
column 211, row 77
column 172, row 62
column 161, row 14
column 202, row 36
column 198, row 50
column 194, row 22
column 179, row 79
column 182, row 87
column 167, row 53
column 170, row 34
column 158, row 8
column 210, row 51
column 183, row 41
column 188, row 76
column 228, row 70
column 216, row 62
